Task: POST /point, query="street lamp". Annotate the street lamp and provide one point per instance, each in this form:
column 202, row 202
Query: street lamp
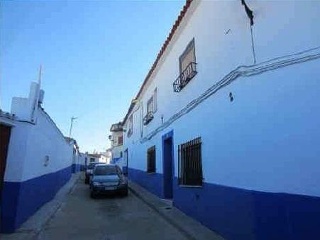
column 72, row 119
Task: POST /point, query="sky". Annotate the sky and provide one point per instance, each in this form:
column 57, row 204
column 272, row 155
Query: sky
column 94, row 56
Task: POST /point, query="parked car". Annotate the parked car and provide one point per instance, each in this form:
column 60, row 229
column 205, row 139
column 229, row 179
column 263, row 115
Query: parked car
column 108, row 179
column 89, row 171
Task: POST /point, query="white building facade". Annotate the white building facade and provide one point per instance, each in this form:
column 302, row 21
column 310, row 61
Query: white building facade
column 37, row 163
column 116, row 139
column 226, row 123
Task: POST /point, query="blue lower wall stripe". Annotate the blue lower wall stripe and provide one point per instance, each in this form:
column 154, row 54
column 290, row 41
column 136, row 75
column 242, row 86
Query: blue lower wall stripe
column 20, row 200
column 151, row 181
column 239, row 214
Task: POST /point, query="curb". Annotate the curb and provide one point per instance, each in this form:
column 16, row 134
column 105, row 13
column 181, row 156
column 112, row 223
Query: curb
column 186, row 225
column 168, row 219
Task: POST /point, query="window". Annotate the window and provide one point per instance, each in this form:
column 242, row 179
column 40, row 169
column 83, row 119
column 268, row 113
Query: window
column 150, row 105
column 187, row 57
column 187, row 67
column 120, row 140
column 155, row 96
column 121, row 154
column 149, row 116
column 92, row 159
column 190, row 165
column 130, row 126
column 151, row 160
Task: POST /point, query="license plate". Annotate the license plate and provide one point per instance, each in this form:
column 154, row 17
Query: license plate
column 109, row 188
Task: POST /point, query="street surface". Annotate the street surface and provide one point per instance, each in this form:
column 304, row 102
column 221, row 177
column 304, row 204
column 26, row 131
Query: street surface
column 106, row 218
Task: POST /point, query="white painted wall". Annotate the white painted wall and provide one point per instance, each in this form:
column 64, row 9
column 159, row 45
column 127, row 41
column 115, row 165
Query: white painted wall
column 31, row 144
column 116, row 147
column 267, row 139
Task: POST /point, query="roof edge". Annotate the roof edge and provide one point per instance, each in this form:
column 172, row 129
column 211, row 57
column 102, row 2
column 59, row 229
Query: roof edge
column 160, row 53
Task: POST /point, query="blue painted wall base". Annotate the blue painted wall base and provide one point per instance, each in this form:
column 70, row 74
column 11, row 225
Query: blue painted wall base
column 20, row 200
column 153, row 182
column 239, row 214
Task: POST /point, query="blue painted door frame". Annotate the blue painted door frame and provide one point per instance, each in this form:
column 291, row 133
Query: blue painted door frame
column 168, row 164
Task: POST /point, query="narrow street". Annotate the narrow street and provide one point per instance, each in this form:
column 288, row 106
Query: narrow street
column 112, row 218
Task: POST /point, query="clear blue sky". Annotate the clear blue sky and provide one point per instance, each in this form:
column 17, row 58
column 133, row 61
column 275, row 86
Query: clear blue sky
column 95, row 55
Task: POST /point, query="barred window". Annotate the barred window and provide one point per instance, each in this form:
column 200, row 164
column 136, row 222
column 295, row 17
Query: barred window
column 190, row 164
column 151, row 160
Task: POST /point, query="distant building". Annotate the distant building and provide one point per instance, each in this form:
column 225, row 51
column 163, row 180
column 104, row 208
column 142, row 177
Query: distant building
column 106, row 156
column 35, row 159
column 226, row 122
column 116, row 139
column 93, row 158
column 78, row 161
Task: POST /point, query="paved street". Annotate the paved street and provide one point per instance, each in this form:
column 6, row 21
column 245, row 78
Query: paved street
column 141, row 215
column 81, row 217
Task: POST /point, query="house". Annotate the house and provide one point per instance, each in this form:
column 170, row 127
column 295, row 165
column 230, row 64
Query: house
column 35, row 159
column 226, row 122
column 93, row 158
column 106, row 156
column 116, row 139
column 77, row 159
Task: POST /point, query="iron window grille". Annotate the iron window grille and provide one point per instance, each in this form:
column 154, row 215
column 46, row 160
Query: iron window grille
column 190, row 163
column 151, row 160
column 147, row 118
column 185, row 77
column 187, row 66
column 150, row 109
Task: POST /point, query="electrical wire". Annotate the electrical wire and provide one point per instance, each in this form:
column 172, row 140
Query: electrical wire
column 240, row 71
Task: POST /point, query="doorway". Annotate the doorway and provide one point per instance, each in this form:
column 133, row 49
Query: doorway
column 168, row 165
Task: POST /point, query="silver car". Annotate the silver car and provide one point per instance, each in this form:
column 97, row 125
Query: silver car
column 108, row 179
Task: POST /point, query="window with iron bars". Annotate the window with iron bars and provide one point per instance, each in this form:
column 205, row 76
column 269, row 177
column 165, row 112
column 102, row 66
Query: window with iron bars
column 151, row 160
column 190, row 163
column 187, row 66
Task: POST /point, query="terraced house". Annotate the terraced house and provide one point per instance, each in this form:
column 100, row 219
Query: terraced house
column 226, row 123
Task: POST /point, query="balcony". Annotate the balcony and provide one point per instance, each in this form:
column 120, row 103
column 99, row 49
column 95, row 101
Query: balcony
column 148, row 118
column 185, row 77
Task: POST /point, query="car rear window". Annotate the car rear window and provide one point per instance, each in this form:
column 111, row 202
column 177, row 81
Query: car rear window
column 105, row 170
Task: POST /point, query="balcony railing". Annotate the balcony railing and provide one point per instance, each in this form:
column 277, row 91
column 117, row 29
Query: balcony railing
column 185, row 77
column 148, row 118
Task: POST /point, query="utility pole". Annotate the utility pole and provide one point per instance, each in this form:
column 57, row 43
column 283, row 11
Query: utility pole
column 72, row 119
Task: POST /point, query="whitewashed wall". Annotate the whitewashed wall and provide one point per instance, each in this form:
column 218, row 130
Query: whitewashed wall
column 267, row 138
column 116, row 148
column 29, row 146
column 36, row 148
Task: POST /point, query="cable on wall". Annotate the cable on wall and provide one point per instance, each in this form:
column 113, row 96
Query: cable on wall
column 240, row 71
column 249, row 13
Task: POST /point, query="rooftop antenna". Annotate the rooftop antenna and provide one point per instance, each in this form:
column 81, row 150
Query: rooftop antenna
column 72, row 119
column 37, row 94
column 40, row 75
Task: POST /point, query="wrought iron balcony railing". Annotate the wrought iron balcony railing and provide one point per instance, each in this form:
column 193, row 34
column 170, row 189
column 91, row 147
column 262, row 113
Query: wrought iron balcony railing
column 148, row 118
column 185, row 77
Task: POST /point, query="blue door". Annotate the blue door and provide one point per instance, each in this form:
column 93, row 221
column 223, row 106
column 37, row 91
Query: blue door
column 168, row 165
